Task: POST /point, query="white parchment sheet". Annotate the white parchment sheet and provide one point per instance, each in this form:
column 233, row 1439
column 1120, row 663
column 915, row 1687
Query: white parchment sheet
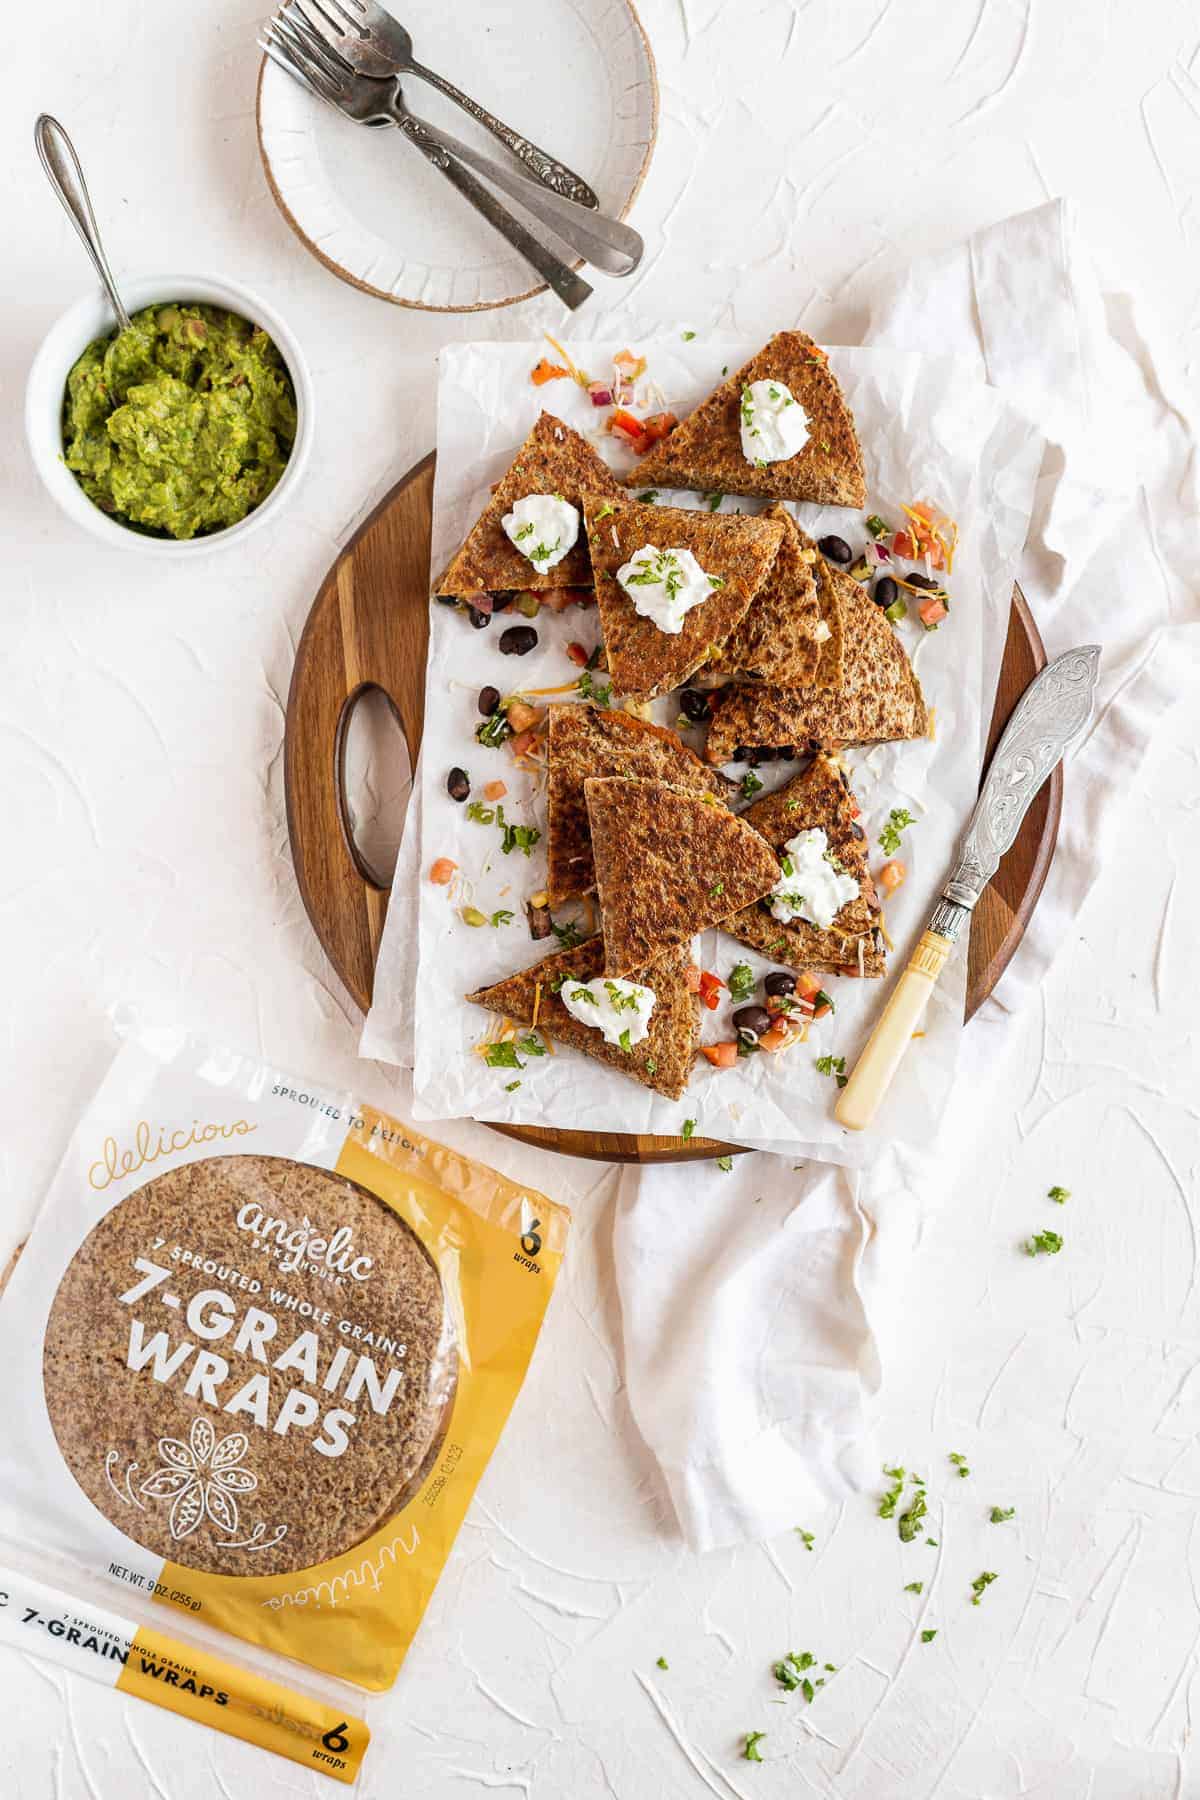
column 930, row 431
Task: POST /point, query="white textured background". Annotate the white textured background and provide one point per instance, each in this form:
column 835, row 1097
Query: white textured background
column 804, row 149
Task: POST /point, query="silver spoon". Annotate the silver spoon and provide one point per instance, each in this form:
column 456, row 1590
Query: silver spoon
column 65, row 175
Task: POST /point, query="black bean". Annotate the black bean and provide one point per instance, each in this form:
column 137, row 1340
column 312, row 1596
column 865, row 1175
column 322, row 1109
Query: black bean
column 540, row 922
column 518, row 640
column 478, row 617
column 836, row 549
column 693, row 704
column 923, row 581
column 755, row 1019
column 884, row 591
column 446, row 599
column 857, row 830
column 489, row 700
column 742, row 754
column 458, row 784
column 780, row 982
column 502, row 599
column 787, row 752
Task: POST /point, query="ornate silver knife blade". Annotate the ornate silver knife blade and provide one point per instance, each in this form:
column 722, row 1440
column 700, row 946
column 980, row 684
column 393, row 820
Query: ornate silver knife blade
column 1050, row 714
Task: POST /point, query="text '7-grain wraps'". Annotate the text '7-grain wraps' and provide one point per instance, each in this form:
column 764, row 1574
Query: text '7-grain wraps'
column 258, row 1351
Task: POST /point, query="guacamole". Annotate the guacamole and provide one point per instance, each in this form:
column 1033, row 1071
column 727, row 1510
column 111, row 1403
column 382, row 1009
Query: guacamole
column 182, row 424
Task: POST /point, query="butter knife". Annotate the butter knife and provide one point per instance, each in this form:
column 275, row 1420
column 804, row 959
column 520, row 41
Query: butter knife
column 1048, row 717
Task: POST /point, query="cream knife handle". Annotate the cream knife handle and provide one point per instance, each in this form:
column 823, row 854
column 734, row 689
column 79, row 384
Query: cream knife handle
column 872, row 1074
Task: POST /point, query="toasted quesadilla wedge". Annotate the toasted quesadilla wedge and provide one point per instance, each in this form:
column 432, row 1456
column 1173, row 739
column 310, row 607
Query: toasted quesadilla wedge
column 734, row 552
column 820, row 799
column 668, row 864
column 586, row 740
column 879, row 700
column 663, row 1059
column 791, row 635
column 706, row 453
column 552, row 460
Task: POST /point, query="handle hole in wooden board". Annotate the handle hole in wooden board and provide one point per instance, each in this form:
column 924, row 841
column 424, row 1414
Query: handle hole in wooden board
column 373, row 772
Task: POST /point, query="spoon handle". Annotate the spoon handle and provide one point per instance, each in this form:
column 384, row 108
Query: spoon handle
column 548, row 170
column 63, row 171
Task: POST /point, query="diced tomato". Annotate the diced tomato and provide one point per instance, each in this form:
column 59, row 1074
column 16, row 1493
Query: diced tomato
column 442, row 871
column 905, row 546
column 545, row 371
column 522, row 743
column 710, row 989
column 933, row 611
column 495, row 790
column 691, row 979
column 625, row 425
column 521, row 715
column 721, row 1056
column 578, row 655
column 808, row 985
column 781, row 1034
column 822, row 1005
column 558, row 599
column 654, row 429
column 892, row 875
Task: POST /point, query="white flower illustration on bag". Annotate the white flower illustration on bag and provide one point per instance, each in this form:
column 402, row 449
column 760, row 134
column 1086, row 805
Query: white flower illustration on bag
column 202, row 1477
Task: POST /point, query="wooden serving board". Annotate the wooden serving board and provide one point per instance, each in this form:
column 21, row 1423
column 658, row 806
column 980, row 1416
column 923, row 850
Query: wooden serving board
column 369, row 628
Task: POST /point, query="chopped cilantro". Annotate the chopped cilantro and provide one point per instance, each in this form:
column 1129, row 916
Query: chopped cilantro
column 662, row 1663
column 625, row 1041
column 600, row 696
column 582, row 993
column 980, row 1583
column 516, row 837
column 557, row 982
column 932, row 1542
column 741, row 981
column 649, row 497
column 725, row 1163
column 910, row 1520
column 747, row 409
column 913, row 1587
column 650, row 1065
column 1059, row 1195
column 603, row 512
column 998, row 1514
column 568, row 935
column 806, row 1688
column 717, row 889
column 480, row 814
column 960, row 1463
column 750, row 1749
column 714, row 500
column 525, row 531
column 501, row 917
column 833, row 1065
column 502, row 1056
column 492, row 732
column 725, row 369
column 620, row 1002
column 687, row 336
column 689, row 1125
column 510, row 1087
column 889, row 837
column 927, row 1637
column 1044, row 1243
column 878, row 528
column 887, row 1505
column 806, row 1537
column 530, row 1045
column 715, row 581
column 751, row 785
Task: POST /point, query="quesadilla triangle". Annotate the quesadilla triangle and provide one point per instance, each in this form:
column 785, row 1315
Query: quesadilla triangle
column 818, row 800
column 553, row 460
column 663, row 1058
column 585, row 740
column 706, row 452
column 791, row 635
column 733, row 551
column 879, row 700
column 668, row 864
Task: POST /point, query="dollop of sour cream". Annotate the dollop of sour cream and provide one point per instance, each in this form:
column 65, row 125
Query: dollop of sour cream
column 774, row 424
column 812, row 886
column 543, row 527
column 664, row 585
column 620, row 1009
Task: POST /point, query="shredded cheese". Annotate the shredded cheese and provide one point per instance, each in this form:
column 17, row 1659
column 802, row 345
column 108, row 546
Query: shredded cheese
column 933, row 722
column 885, row 934
column 565, row 687
column 537, row 1006
column 577, row 374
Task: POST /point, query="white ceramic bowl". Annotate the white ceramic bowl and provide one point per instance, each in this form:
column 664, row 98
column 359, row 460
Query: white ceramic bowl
column 91, row 318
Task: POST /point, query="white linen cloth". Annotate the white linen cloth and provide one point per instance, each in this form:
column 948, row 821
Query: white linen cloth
column 757, row 1305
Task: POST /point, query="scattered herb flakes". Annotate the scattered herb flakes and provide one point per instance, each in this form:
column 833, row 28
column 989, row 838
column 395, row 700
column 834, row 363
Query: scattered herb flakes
column 751, row 785
column 913, row 1587
column 790, row 1672
column 687, row 336
column 502, row 1056
column 835, row 1066
column 568, row 935
column 510, row 1087
column 1060, row 1195
column 493, row 730
column 910, row 1520
column 689, row 1125
column 750, row 1748
column 980, row 1584
column 648, row 498
column 998, row 1514
column 960, row 1463
column 651, row 1065
column 725, row 368
column 717, row 889
column 479, row 814
column 887, row 1505
column 662, row 1663
column 1044, row 1243
column 713, row 501
column 502, row 917
column 519, row 837
column 806, row 1537
column 625, row 1041
column 604, row 512
column 806, row 1688
column 741, row 982
column 724, row 1163
column 599, row 696
column 898, row 820
column 530, row 1045
column 932, row 1542
column 927, row 1637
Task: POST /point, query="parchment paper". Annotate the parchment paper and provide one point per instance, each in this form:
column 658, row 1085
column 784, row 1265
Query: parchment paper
column 930, row 431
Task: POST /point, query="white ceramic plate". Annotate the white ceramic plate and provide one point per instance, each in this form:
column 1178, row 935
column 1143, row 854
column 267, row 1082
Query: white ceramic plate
column 577, row 76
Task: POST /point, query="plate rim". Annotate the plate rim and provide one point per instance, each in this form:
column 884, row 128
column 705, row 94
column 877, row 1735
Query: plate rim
column 475, row 306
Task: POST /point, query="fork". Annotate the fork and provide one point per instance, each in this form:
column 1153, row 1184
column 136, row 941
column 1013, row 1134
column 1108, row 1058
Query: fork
column 374, row 43
column 369, row 101
column 605, row 242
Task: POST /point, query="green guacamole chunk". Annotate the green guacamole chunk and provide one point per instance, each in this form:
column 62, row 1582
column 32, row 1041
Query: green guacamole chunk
column 182, row 424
